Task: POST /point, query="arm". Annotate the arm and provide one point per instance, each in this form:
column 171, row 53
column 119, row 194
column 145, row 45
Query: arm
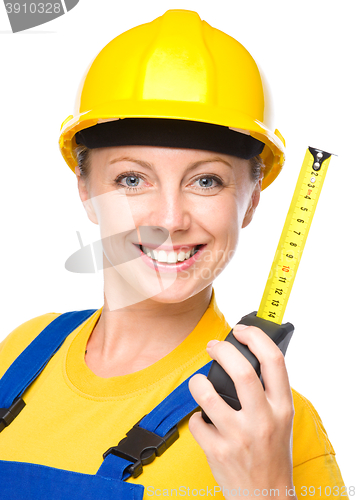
column 250, row 449
column 316, row 473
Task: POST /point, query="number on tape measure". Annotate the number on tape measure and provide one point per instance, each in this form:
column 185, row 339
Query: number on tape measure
column 294, row 235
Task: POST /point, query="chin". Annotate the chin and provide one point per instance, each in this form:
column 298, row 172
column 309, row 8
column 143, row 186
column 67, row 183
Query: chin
column 176, row 294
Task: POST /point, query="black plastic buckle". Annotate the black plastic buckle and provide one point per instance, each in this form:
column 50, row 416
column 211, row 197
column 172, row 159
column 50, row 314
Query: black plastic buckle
column 7, row 415
column 141, row 446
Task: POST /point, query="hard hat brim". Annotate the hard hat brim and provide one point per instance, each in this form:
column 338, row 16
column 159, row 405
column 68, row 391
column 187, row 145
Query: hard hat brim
column 272, row 155
column 164, row 132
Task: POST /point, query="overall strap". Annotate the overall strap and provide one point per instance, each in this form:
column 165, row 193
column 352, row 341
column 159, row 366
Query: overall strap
column 30, row 363
column 152, row 435
column 26, row 481
column 149, row 438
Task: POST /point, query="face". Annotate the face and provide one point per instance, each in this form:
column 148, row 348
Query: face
column 169, row 218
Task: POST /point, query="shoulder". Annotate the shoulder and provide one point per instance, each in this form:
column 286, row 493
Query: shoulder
column 314, row 459
column 21, row 337
column 310, row 438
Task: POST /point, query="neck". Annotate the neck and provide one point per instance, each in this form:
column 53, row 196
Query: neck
column 137, row 335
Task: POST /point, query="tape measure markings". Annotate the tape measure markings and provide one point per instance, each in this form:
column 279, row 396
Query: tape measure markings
column 293, row 237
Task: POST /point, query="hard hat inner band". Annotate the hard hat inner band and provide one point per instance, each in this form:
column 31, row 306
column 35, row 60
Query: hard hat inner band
column 166, row 132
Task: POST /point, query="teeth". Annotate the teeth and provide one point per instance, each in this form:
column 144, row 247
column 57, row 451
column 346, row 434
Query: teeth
column 169, row 257
column 181, row 256
column 162, row 257
column 172, row 258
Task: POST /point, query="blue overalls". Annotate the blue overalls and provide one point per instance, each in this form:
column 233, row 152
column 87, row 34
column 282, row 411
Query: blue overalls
column 148, row 438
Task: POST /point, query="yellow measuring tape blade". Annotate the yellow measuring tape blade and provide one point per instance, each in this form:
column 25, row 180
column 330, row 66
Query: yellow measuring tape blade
column 294, row 235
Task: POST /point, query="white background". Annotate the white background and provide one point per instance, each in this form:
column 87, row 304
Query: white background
column 307, row 50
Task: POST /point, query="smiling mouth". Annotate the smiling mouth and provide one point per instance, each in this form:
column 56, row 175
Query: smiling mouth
column 171, row 257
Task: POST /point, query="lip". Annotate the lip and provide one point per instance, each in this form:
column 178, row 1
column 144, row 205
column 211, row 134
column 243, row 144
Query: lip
column 171, row 268
column 170, row 248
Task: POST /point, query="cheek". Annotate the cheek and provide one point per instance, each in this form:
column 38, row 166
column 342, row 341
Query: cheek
column 221, row 220
column 224, row 215
column 114, row 213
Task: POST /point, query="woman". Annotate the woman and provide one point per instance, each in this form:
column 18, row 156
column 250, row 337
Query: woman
column 171, row 186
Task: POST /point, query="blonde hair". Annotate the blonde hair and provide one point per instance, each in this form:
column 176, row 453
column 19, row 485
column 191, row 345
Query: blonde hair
column 83, row 160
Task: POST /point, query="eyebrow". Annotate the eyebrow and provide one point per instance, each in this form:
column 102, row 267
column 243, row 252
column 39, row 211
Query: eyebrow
column 192, row 166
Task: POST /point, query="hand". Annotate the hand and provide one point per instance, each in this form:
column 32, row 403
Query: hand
column 251, row 448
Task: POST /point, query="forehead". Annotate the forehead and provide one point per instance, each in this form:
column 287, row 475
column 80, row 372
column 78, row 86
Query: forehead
column 156, row 157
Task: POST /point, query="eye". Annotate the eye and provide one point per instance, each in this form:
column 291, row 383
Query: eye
column 129, row 180
column 208, row 182
column 132, row 180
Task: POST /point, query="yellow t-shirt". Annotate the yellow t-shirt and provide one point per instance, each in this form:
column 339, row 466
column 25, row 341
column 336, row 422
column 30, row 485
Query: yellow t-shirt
column 72, row 416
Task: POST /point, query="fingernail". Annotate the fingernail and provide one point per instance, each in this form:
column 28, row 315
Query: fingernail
column 240, row 327
column 211, row 343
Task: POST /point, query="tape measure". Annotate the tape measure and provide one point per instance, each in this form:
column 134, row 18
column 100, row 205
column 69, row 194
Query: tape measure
column 282, row 274
column 294, row 235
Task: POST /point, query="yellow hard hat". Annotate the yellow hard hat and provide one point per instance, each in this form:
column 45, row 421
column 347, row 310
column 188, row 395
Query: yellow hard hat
column 176, row 67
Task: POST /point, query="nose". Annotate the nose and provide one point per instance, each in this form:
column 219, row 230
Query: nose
column 171, row 211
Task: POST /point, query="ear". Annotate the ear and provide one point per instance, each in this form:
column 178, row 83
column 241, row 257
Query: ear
column 254, row 200
column 84, row 196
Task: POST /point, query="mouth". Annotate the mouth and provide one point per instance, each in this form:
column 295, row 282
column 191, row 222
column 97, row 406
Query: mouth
column 172, row 256
column 171, row 260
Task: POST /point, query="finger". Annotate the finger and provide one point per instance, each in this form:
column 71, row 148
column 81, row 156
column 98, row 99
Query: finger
column 272, row 363
column 217, row 410
column 204, row 434
column 248, row 386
